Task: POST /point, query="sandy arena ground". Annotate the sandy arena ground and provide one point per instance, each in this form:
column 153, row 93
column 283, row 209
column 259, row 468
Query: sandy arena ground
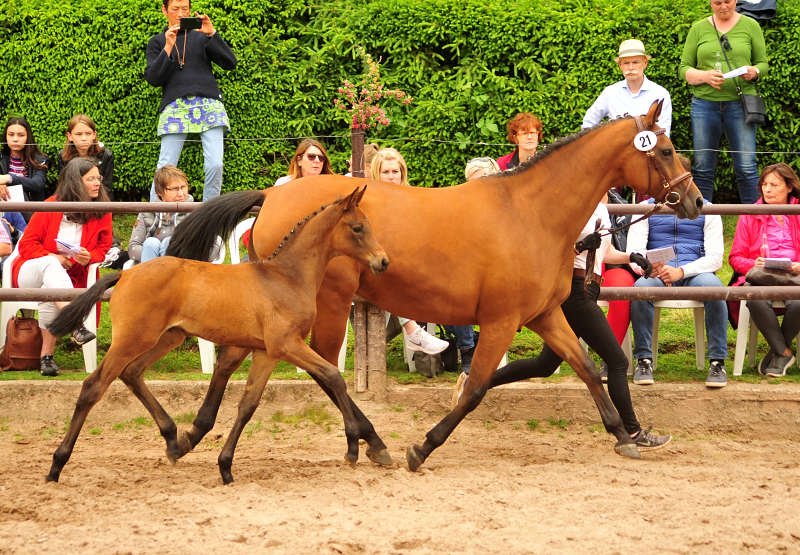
column 494, row 487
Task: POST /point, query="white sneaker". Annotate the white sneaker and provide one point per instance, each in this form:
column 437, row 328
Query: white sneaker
column 421, row 340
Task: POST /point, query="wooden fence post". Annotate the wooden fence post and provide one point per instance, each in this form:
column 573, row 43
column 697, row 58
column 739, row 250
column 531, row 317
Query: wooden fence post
column 360, row 344
column 376, row 350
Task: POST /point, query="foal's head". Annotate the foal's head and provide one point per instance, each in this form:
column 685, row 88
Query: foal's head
column 352, row 235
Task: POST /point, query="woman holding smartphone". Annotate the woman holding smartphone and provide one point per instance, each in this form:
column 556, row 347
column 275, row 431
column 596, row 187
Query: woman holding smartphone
column 179, row 61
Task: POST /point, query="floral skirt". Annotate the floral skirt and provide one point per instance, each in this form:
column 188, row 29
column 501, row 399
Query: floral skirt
column 192, row 114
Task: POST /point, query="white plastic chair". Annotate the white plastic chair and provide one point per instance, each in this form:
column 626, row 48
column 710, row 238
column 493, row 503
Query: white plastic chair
column 746, row 325
column 236, row 236
column 699, row 328
column 9, row 310
column 208, row 356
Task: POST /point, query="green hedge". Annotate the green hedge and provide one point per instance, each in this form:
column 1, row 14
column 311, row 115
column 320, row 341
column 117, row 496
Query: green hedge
column 470, row 66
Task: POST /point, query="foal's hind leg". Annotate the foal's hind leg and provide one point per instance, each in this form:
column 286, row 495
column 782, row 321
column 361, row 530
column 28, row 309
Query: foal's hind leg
column 228, row 360
column 260, row 371
column 92, row 391
column 132, row 377
column 555, row 331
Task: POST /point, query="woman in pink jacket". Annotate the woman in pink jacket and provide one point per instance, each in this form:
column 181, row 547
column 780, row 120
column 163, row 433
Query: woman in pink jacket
column 763, row 236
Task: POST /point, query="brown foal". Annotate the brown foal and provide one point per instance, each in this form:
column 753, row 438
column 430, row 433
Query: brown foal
column 268, row 307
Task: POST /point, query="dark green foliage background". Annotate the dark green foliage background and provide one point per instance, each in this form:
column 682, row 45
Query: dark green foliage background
column 470, row 65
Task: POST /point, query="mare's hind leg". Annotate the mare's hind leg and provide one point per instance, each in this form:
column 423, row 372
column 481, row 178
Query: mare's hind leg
column 495, row 339
column 260, row 371
column 92, row 391
column 228, row 360
column 132, row 377
column 555, row 331
column 327, row 335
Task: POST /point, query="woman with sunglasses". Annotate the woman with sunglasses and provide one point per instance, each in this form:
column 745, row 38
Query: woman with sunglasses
column 43, row 263
column 716, row 105
column 525, row 131
column 310, row 158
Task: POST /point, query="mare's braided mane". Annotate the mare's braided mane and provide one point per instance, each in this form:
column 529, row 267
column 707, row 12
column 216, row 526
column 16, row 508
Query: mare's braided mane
column 292, row 232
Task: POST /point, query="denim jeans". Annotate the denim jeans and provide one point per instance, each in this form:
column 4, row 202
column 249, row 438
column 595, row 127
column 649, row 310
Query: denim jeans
column 464, row 336
column 153, row 248
column 213, row 145
column 716, row 313
column 710, row 120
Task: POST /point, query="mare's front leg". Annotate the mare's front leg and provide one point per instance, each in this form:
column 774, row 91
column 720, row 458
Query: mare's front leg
column 260, row 371
column 94, row 386
column 555, row 331
column 495, row 339
column 228, row 360
column 132, row 376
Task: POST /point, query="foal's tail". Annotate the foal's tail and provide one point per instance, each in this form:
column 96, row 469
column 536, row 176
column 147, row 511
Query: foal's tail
column 72, row 316
column 195, row 237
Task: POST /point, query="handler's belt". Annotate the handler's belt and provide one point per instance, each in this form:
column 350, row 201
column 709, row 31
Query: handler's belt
column 597, row 278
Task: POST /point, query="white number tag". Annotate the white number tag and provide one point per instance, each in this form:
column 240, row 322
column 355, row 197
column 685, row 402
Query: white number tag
column 645, row 140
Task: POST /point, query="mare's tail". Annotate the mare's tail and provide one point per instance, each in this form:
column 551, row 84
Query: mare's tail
column 195, row 237
column 72, row 316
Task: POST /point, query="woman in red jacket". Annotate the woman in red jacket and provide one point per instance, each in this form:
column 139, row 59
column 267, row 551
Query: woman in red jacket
column 764, row 236
column 44, row 263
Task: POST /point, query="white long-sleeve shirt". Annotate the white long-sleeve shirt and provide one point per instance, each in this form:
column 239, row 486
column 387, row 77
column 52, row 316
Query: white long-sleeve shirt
column 617, row 100
column 713, row 243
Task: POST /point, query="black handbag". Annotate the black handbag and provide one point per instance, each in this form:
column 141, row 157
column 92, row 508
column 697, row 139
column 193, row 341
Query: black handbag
column 755, row 111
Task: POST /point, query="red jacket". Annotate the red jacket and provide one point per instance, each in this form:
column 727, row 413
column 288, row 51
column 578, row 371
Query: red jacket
column 39, row 240
column 748, row 239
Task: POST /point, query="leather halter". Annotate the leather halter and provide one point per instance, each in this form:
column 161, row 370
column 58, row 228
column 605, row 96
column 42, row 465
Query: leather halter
column 666, row 196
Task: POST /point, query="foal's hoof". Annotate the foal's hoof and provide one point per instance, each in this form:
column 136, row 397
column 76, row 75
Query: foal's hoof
column 414, row 458
column 628, row 450
column 184, row 444
column 381, row 457
column 172, row 457
column 51, row 477
column 350, row 461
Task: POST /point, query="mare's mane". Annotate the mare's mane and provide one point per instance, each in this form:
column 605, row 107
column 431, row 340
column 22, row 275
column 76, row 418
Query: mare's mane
column 557, row 145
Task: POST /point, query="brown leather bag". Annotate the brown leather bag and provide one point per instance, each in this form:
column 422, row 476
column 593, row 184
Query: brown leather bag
column 23, row 347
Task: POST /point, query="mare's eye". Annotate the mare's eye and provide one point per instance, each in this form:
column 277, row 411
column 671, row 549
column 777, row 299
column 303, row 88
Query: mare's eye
column 357, row 228
column 667, row 152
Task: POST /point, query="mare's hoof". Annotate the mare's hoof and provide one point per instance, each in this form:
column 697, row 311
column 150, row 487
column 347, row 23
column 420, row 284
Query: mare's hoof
column 628, row 450
column 227, row 478
column 184, row 444
column 414, row 458
column 350, row 461
column 172, row 457
column 381, row 457
column 51, row 478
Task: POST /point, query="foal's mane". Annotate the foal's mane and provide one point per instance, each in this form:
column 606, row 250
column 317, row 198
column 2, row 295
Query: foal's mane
column 557, row 145
column 301, row 222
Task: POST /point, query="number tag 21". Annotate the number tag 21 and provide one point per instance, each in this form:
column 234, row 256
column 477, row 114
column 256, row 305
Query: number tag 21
column 645, row 140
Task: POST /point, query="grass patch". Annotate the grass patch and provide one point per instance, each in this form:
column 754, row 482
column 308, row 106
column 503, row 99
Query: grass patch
column 560, row 423
column 186, row 418
column 316, row 413
column 135, row 424
column 252, row 428
column 532, row 424
column 394, row 435
column 95, row 431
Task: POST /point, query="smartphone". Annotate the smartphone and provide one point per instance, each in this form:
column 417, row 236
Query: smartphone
column 191, row 23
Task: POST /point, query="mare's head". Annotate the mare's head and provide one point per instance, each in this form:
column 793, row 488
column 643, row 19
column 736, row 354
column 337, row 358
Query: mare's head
column 651, row 166
column 352, row 235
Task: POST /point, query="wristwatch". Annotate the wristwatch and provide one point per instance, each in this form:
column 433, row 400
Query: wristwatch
column 758, row 73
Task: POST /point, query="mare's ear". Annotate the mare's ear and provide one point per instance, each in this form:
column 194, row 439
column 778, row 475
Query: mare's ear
column 355, row 197
column 655, row 111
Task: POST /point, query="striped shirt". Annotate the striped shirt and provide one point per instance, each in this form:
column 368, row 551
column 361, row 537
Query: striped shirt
column 17, row 166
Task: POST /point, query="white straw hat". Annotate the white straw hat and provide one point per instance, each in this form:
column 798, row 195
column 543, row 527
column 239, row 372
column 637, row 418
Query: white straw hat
column 631, row 47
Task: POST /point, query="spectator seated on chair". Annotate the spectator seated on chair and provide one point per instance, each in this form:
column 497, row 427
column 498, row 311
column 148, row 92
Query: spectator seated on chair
column 761, row 236
column 699, row 248
column 525, row 131
column 390, row 167
column 43, row 263
column 15, row 225
column 153, row 230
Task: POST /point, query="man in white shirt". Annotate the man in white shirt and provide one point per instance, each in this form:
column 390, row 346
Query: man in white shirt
column 699, row 248
column 634, row 94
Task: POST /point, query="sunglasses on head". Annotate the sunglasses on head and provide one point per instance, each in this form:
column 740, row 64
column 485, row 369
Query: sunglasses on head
column 725, row 42
column 315, row 157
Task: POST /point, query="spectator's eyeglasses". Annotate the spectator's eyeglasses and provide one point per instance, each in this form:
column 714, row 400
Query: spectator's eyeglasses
column 528, row 134
column 725, row 43
column 315, row 157
column 182, row 188
column 98, row 178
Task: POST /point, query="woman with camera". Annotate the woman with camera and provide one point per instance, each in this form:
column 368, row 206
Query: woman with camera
column 715, row 45
column 179, row 61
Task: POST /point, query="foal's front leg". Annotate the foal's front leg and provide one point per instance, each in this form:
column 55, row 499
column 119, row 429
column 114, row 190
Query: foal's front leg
column 555, row 331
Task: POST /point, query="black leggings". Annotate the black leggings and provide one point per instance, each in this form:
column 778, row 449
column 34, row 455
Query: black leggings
column 589, row 323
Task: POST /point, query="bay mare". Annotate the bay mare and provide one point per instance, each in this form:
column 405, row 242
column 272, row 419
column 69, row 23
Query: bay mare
column 268, row 307
column 497, row 252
